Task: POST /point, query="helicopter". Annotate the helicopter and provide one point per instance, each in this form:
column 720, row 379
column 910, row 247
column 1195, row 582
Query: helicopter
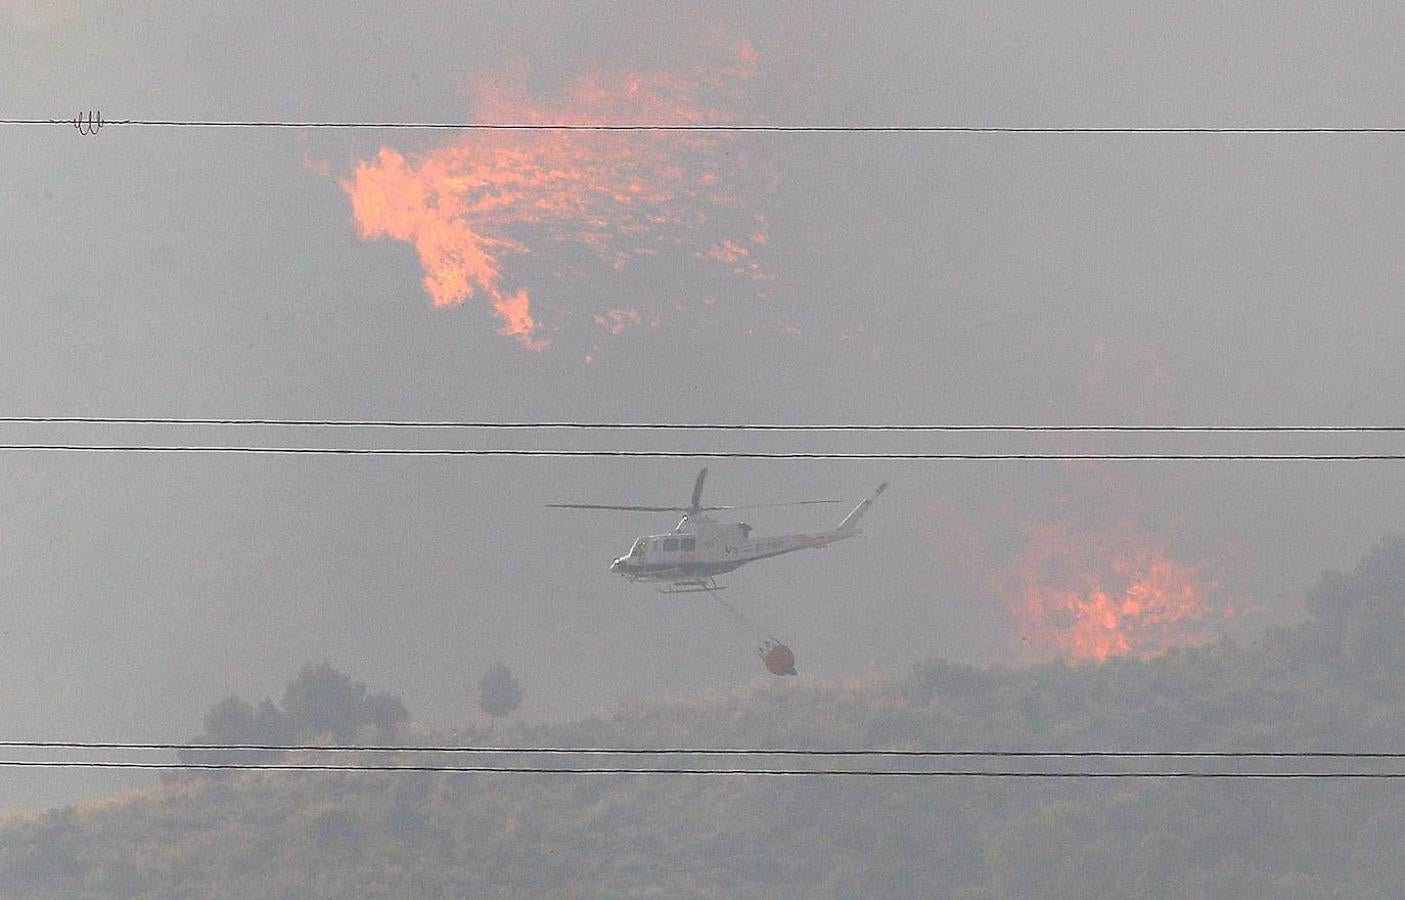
column 690, row 557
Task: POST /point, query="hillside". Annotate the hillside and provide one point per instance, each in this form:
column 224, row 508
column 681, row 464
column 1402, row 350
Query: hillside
column 1334, row 682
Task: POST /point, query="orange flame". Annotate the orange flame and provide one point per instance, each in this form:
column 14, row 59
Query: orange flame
column 1089, row 597
column 617, row 320
column 467, row 206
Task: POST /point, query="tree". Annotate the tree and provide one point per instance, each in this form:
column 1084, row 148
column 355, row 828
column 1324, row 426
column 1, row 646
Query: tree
column 323, row 700
column 233, row 721
column 499, row 693
column 230, row 721
column 319, row 702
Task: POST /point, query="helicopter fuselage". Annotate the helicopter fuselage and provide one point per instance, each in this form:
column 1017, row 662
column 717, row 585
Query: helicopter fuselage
column 699, row 549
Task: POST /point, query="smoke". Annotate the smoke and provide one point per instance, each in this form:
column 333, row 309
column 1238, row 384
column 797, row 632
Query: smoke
column 38, row 16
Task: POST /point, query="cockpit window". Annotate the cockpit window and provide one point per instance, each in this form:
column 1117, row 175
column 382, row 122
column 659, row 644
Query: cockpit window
column 638, row 548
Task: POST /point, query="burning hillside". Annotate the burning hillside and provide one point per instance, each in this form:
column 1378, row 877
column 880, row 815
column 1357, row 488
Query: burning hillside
column 1089, row 596
column 490, row 195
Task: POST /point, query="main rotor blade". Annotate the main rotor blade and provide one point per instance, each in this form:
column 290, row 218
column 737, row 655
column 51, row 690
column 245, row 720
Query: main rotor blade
column 623, row 508
column 697, row 488
column 770, row 505
column 682, row 509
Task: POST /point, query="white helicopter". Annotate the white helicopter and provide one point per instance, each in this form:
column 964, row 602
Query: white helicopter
column 698, row 549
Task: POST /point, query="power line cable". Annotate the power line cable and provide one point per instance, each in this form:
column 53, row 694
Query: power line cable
column 647, row 770
column 489, row 425
column 701, row 751
column 95, row 122
column 704, row 454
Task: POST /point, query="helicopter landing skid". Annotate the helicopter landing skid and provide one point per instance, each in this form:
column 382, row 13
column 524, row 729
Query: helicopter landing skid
column 693, row 587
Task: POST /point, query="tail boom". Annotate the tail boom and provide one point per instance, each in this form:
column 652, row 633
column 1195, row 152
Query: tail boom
column 850, row 526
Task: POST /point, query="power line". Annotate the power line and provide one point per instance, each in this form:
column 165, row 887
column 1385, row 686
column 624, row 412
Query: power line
column 490, row 425
column 705, row 454
column 719, row 127
column 649, row 770
column 702, row 751
column 745, row 770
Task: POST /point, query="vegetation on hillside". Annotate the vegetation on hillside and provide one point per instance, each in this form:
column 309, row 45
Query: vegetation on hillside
column 1335, row 682
column 319, row 703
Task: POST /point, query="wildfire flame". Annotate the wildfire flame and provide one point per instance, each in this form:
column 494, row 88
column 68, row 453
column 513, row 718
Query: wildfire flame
column 1088, row 597
column 490, row 195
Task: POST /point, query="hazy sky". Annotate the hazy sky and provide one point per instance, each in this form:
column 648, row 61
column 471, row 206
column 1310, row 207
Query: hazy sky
column 917, row 278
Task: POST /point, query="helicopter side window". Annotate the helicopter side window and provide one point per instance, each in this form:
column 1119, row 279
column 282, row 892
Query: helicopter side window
column 687, row 545
column 670, row 545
